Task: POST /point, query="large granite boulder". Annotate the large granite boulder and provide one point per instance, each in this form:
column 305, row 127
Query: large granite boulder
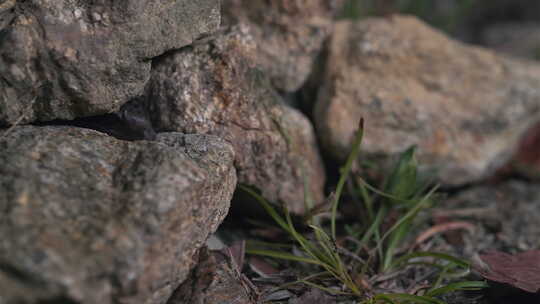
column 289, row 34
column 87, row 218
column 464, row 107
column 214, row 87
column 66, row 59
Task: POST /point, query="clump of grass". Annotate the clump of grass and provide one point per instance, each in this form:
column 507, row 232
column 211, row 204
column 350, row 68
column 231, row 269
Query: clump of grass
column 403, row 192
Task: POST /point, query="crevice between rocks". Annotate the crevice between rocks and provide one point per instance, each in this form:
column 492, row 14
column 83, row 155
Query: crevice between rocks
column 58, row 300
column 110, row 124
column 131, row 122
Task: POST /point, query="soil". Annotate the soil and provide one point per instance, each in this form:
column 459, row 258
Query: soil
column 499, row 216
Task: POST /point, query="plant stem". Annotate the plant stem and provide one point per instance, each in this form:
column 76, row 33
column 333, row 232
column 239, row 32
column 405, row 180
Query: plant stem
column 345, row 173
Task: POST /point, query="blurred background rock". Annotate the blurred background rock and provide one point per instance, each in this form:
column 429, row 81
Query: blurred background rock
column 507, row 26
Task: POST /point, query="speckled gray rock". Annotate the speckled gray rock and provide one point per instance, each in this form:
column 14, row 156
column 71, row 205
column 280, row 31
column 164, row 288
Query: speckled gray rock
column 464, row 107
column 214, row 280
column 506, row 216
column 289, row 34
column 215, row 88
column 92, row 219
column 65, row 59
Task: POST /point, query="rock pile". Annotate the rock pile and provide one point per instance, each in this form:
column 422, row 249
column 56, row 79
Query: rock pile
column 124, row 129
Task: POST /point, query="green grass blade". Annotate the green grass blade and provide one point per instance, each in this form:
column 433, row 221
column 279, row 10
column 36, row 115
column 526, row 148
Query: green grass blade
column 345, row 173
column 409, row 215
column 327, row 245
column 408, row 297
column 323, row 288
column 403, row 182
column 393, row 242
column 437, row 255
column 441, row 276
column 267, row 207
column 382, row 193
column 335, row 264
column 378, row 298
column 309, row 247
column 467, row 285
column 375, row 225
column 259, row 244
column 368, row 202
column 421, row 263
column 401, row 229
column 300, row 281
column 283, row 256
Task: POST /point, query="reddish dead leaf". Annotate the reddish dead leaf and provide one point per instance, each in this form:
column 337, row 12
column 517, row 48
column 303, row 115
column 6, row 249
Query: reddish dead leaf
column 521, row 270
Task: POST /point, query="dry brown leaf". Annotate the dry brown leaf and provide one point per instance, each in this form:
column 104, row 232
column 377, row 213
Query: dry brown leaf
column 521, row 270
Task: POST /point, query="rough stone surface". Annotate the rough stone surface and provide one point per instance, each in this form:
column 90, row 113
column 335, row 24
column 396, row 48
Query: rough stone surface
column 214, row 88
column 525, row 162
column 289, row 34
column 506, row 216
column 65, row 59
column 85, row 217
column 464, row 107
column 214, row 280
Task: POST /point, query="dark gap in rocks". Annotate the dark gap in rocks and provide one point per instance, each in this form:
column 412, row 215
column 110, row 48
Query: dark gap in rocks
column 450, row 191
column 159, row 58
column 110, row 124
column 499, row 293
column 243, row 206
column 510, row 176
column 132, row 122
column 290, row 98
column 498, row 11
column 58, row 300
column 202, row 39
column 246, row 214
column 305, row 99
column 307, row 94
column 296, row 100
column 244, row 210
column 19, row 275
column 332, row 169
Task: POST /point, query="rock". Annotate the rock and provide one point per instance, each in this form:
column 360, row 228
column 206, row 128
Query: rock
column 214, row 280
column 464, row 107
column 314, row 295
column 507, row 215
column 87, row 218
column 288, row 34
column 65, row 59
column 215, row 88
column 516, row 39
column 526, row 160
